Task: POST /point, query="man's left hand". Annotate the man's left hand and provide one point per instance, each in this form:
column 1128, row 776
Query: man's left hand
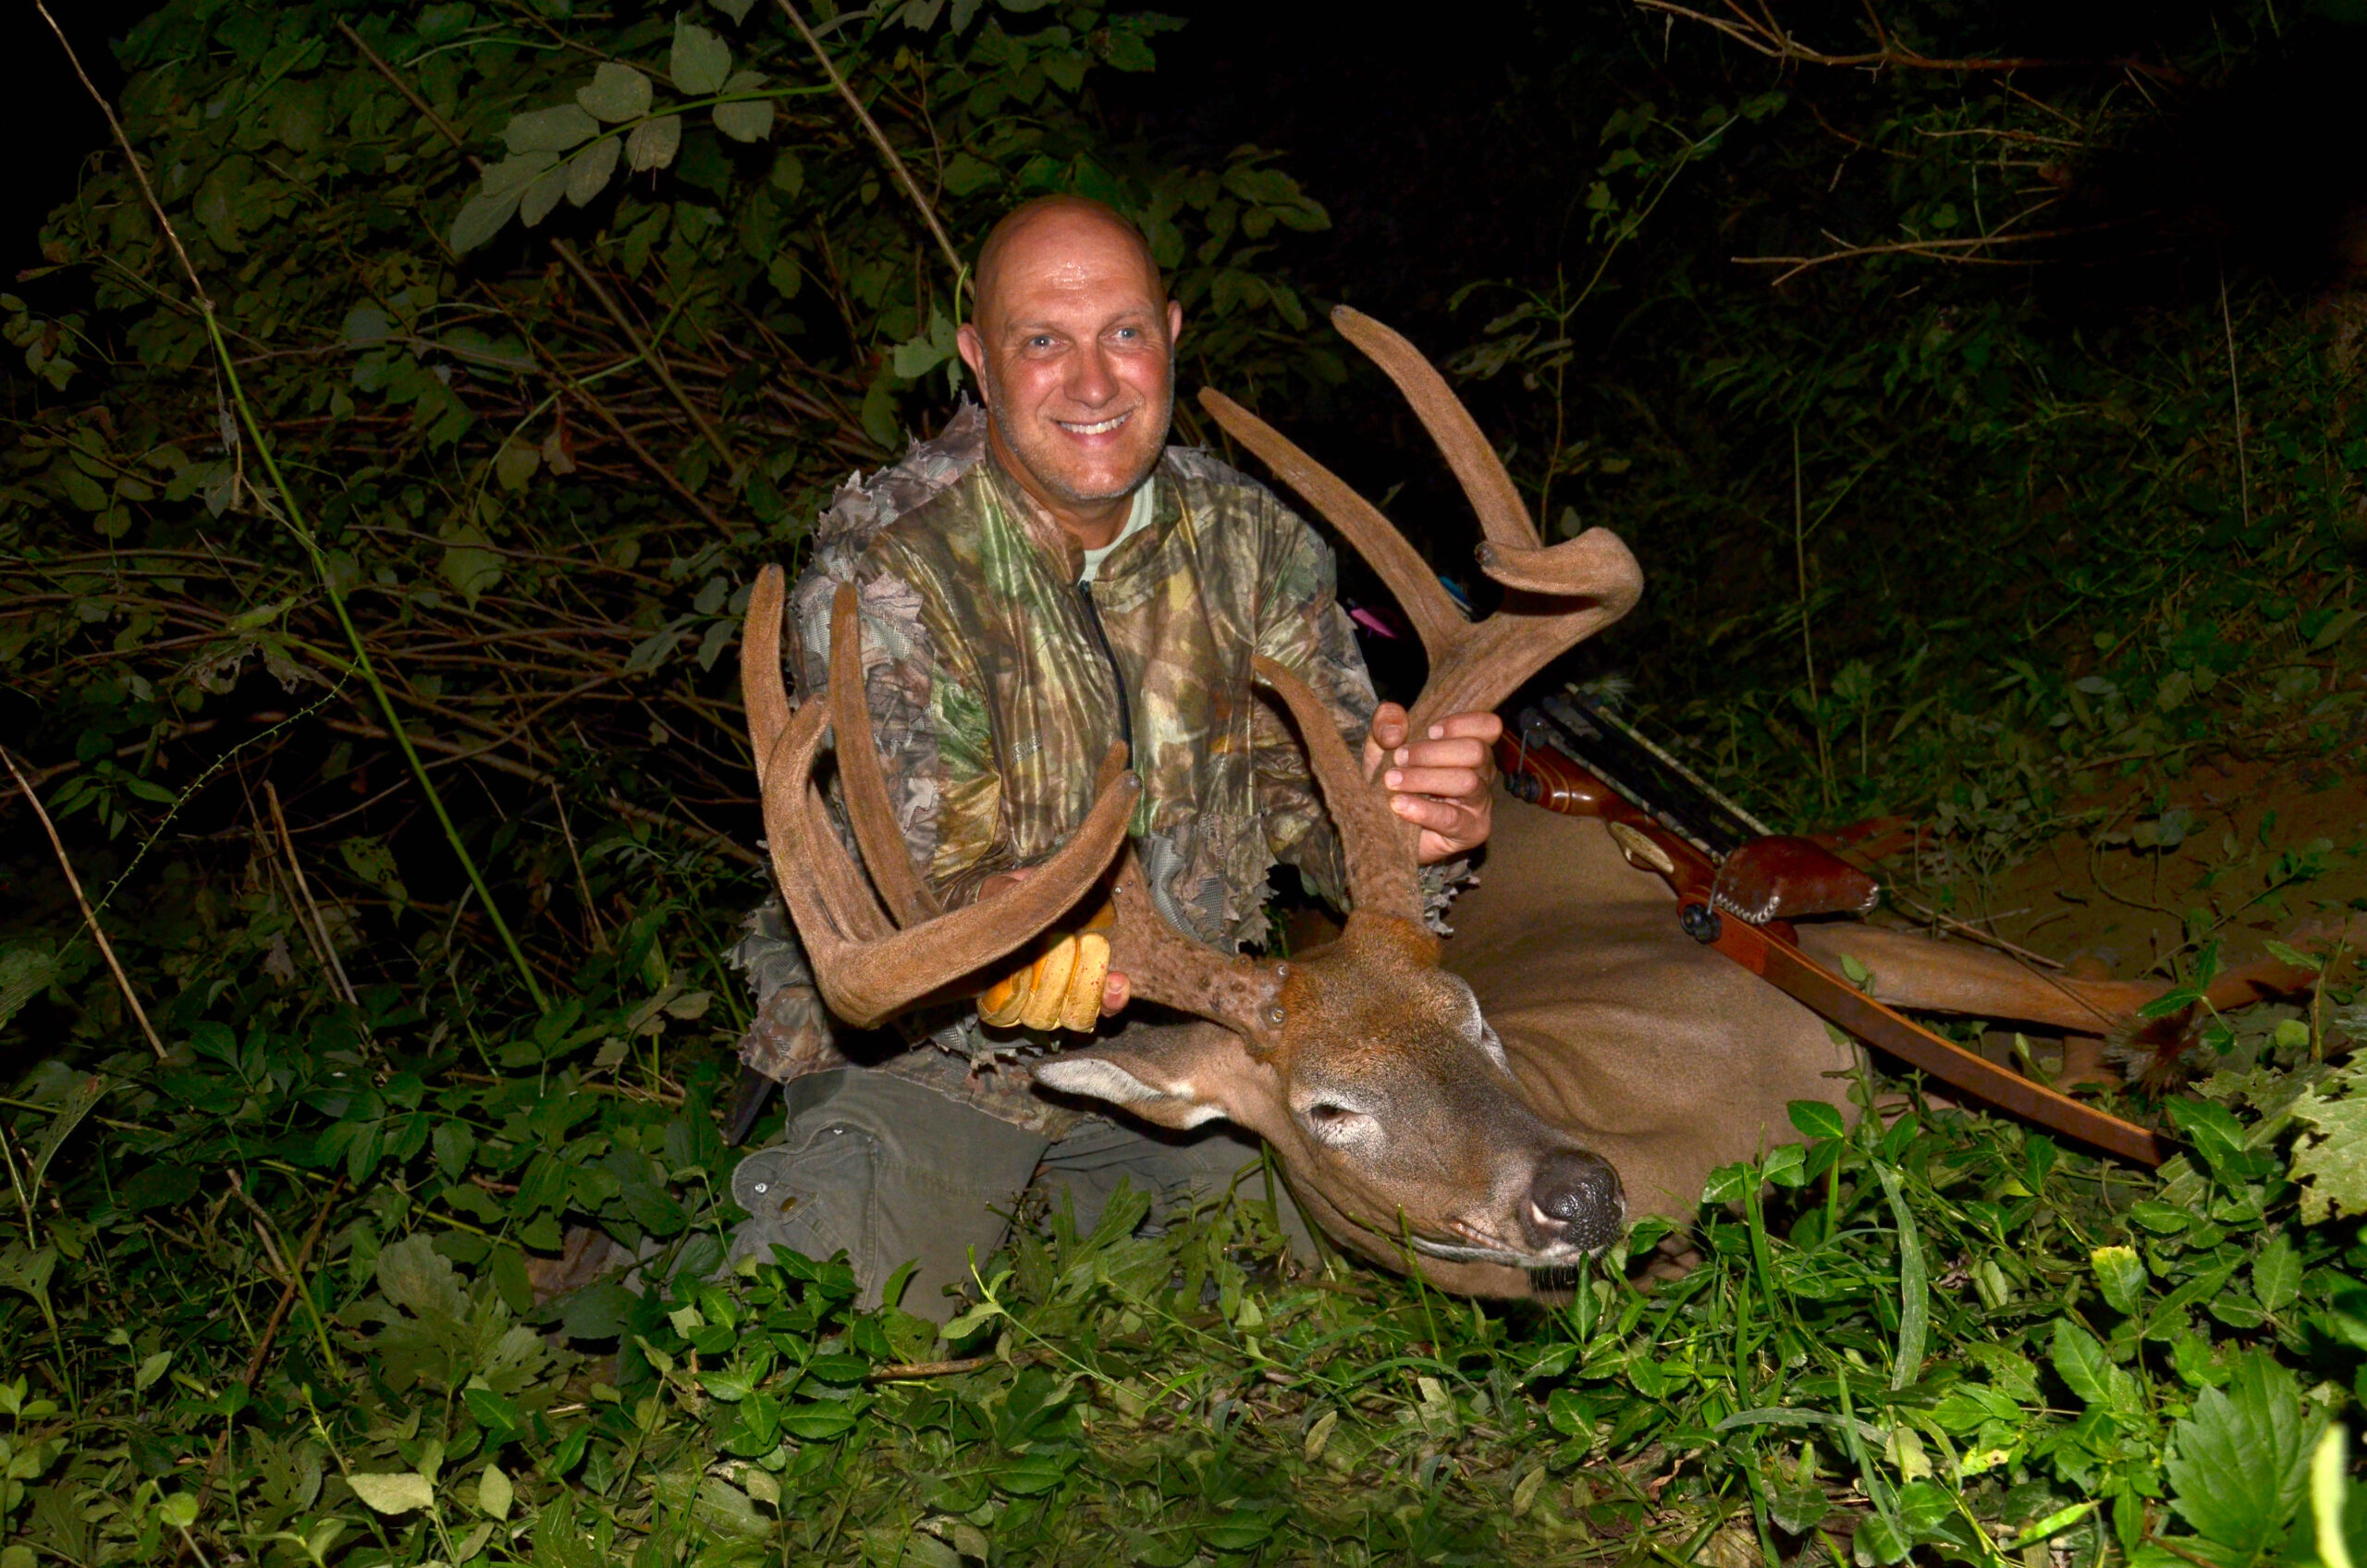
column 1441, row 782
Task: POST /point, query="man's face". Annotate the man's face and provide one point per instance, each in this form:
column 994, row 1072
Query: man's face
column 1074, row 351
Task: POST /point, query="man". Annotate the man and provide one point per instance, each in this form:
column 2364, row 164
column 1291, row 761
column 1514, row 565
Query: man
column 1043, row 588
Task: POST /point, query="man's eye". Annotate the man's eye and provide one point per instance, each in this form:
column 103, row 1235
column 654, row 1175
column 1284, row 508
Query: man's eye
column 1039, row 342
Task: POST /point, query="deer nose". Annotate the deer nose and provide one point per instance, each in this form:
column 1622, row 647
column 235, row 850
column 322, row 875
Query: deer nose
column 1575, row 1201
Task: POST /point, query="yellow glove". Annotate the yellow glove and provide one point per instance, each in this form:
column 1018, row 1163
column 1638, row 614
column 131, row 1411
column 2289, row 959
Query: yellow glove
column 1061, row 988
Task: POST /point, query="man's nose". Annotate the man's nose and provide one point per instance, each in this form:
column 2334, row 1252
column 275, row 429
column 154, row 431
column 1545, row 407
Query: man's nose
column 1090, row 381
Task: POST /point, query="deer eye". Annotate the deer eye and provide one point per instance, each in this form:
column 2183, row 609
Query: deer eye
column 1323, row 1113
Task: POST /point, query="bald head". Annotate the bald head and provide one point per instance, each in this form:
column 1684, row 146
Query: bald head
column 1056, row 225
column 1073, row 340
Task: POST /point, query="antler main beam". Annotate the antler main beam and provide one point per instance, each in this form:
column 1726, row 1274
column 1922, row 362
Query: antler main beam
column 866, row 968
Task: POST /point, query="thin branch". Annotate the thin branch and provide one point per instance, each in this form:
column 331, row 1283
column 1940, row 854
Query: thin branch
column 1962, row 251
column 304, row 892
column 648, row 353
column 879, row 139
column 90, row 917
column 426, row 110
column 1763, row 34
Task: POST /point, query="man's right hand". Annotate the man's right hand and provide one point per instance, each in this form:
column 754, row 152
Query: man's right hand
column 1069, row 983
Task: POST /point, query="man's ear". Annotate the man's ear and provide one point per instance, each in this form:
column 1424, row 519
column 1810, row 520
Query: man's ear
column 973, row 350
column 1176, row 1076
column 1174, row 325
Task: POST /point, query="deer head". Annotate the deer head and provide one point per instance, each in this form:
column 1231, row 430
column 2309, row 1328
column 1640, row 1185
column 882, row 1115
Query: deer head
column 1365, row 1064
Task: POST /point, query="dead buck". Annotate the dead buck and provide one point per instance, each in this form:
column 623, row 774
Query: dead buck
column 1494, row 1104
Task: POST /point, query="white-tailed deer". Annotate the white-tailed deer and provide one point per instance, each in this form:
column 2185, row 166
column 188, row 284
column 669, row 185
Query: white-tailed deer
column 1484, row 1107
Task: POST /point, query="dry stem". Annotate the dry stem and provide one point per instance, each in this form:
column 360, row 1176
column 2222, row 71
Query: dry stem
column 90, row 915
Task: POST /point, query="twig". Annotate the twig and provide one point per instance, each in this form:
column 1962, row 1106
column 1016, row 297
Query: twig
column 427, row 110
column 900, row 1370
column 1924, row 912
column 304, row 892
column 90, row 917
column 582, row 884
column 2236, row 394
column 648, row 353
column 1763, row 35
column 633, row 443
column 722, row 843
column 1957, row 250
column 879, row 139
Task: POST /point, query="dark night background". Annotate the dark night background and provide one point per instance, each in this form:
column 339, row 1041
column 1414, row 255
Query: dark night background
column 1440, row 152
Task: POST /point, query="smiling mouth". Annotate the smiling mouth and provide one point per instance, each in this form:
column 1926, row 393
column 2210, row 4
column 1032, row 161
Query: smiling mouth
column 1102, row 428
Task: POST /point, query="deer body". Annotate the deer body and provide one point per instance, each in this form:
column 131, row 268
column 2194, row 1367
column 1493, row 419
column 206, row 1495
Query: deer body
column 1484, row 1107
column 1661, row 1055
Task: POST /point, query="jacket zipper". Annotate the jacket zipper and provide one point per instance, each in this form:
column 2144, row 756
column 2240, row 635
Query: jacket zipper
column 1117, row 678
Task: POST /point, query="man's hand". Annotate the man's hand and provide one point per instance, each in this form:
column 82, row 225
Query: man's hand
column 1440, row 783
column 1068, row 984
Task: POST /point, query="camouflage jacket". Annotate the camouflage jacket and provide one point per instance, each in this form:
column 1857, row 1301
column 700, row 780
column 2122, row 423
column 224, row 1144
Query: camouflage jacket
column 995, row 687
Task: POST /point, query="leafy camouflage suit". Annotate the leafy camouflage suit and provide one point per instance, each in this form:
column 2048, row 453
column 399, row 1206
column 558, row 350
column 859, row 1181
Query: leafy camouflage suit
column 996, row 681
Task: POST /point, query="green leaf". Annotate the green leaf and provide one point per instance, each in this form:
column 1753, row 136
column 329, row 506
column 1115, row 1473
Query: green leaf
column 2276, row 1275
column 1787, row 1164
column 481, row 219
column 653, row 143
column 515, row 464
column 2335, row 630
column 2120, row 1275
column 588, row 172
column 750, row 119
column 736, row 9
column 158, row 1186
column 2082, row 1362
column 393, row 1494
column 469, row 566
column 701, row 60
column 494, row 1493
column 818, row 1423
column 2294, row 956
column 22, row 1268
column 2330, row 1160
column 554, row 129
column 618, row 92
column 1725, row 1184
column 2242, row 1458
column 24, row 974
column 1914, row 1294
column 542, row 196
column 1815, row 1119
column 1877, row 1542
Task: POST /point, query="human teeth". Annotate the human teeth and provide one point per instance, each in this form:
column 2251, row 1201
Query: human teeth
column 1102, row 429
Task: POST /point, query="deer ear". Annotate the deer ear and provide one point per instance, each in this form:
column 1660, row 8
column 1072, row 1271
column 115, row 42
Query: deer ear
column 1175, row 1076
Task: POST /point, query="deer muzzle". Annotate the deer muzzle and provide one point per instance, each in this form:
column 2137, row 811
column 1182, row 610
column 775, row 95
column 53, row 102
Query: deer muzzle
column 1575, row 1203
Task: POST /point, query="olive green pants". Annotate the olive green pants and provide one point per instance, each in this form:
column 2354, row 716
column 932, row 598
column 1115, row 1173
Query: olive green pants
column 889, row 1172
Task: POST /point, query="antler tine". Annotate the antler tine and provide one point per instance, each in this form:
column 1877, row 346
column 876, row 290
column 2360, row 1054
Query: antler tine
column 1586, row 583
column 762, row 690
column 824, row 889
column 1559, row 594
column 1378, row 844
column 1398, row 565
column 867, row 971
column 885, row 854
column 1502, row 516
